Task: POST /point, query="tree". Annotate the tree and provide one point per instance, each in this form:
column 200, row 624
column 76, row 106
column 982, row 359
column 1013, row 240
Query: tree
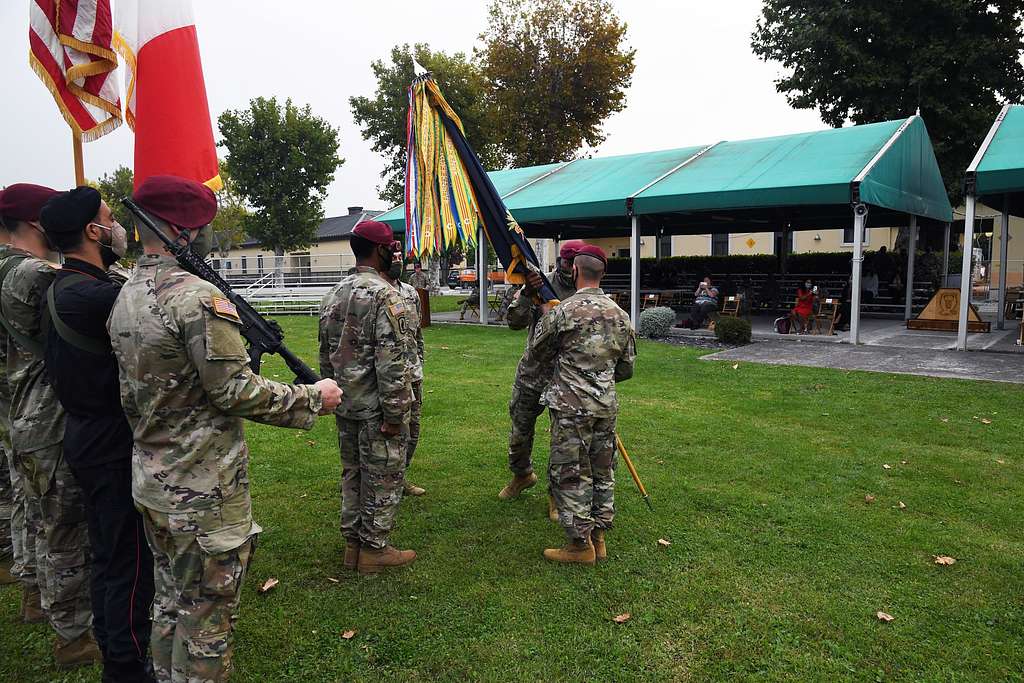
column 555, row 70
column 113, row 187
column 874, row 60
column 383, row 118
column 281, row 160
column 229, row 223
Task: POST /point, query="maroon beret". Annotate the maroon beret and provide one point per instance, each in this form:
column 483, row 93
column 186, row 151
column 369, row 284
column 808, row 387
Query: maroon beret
column 593, row 250
column 24, row 201
column 376, row 232
column 181, row 202
column 569, row 249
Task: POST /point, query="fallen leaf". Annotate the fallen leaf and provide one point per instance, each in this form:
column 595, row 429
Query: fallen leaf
column 268, row 584
column 944, row 419
column 944, row 560
column 736, row 366
column 868, row 498
column 903, row 462
column 1001, row 462
column 660, row 462
column 986, row 421
column 622, row 618
column 332, row 579
column 901, row 505
column 311, row 442
column 349, row 635
column 886, row 466
column 444, row 348
column 664, row 543
column 303, row 495
column 884, row 617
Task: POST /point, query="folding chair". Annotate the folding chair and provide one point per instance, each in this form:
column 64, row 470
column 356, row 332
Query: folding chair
column 828, row 313
column 651, row 301
column 730, row 307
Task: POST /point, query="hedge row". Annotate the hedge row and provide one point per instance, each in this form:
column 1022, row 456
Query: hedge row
column 672, row 271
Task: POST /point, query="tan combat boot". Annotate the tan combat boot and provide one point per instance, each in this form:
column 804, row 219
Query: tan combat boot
column 351, row 554
column 376, row 560
column 82, row 651
column 576, row 552
column 600, row 551
column 552, row 509
column 518, row 484
column 32, row 606
column 413, row 490
column 6, row 577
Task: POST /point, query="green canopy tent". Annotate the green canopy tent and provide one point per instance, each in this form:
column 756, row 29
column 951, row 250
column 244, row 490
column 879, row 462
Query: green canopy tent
column 795, row 182
column 995, row 178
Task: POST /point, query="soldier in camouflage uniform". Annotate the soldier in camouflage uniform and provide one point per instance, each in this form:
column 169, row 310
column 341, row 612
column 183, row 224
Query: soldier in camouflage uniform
column 10, row 499
column 365, row 344
column 185, row 387
column 592, row 345
column 415, row 360
column 532, row 376
column 37, row 432
column 419, row 279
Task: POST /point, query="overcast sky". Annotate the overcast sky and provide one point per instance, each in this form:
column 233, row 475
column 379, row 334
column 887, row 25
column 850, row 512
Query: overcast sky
column 696, row 79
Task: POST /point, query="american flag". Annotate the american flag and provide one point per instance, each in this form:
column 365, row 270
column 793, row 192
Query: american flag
column 71, row 49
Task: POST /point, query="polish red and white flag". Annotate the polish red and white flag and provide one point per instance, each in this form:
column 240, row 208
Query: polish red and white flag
column 166, row 93
column 70, row 48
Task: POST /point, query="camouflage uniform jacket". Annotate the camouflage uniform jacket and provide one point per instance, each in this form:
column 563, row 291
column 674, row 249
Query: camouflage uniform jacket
column 524, row 314
column 419, row 280
column 364, row 346
column 593, row 346
column 412, row 302
column 36, row 416
column 5, row 392
column 185, row 387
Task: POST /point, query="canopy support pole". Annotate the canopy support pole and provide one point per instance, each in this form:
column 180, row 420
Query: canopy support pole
column 860, row 214
column 1004, row 238
column 481, row 272
column 908, row 309
column 634, row 274
column 965, row 275
column 945, row 255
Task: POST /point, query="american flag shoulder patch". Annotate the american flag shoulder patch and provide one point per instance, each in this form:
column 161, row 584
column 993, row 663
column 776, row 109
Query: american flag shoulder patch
column 397, row 309
column 223, row 308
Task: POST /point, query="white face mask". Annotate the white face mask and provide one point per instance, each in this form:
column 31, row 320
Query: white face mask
column 118, row 239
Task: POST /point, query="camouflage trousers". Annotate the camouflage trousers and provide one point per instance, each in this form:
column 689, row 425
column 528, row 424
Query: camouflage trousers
column 524, row 409
column 198, row 585
column 372, row 477
column 415, row 411
column 25, row 524
column 6, row 506
column 62, row 543
column 582, row 472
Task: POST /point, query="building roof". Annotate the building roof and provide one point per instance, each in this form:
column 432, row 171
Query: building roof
column 335, row 227
column 998, row 169
column 807, row 181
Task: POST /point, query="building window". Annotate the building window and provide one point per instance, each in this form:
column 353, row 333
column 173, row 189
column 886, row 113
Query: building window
column 665, row 246
column 778, row 241
column 259, row 263
column 216, row 264
column 720, row 244
column 623, row 253
column 227, row 265
column 245, row 265
column 848, row 236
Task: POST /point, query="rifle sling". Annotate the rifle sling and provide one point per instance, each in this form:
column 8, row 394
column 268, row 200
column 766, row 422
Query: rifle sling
column 30, row 344
column 80, row 341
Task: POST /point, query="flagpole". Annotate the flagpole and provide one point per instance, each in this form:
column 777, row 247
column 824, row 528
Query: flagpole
column 76, row 142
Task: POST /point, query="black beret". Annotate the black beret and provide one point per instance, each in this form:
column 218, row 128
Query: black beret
column 70, row 211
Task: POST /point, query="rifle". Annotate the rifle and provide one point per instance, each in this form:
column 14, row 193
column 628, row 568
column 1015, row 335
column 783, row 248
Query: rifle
column 264, row 336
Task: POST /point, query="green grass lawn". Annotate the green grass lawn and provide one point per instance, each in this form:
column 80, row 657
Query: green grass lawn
column 776, row 567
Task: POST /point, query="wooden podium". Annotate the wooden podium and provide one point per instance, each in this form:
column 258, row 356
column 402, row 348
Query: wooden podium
column 943, row 314
column 424, row 307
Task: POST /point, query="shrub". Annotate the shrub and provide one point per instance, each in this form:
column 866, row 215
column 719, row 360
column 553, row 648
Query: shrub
column 732, row 330
column 656, row 322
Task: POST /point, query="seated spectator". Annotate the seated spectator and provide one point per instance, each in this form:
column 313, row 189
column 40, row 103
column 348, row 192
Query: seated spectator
column 869, row 286
column 705, row 302
column 472, row 301
column 803, row 312
column 843, row 321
